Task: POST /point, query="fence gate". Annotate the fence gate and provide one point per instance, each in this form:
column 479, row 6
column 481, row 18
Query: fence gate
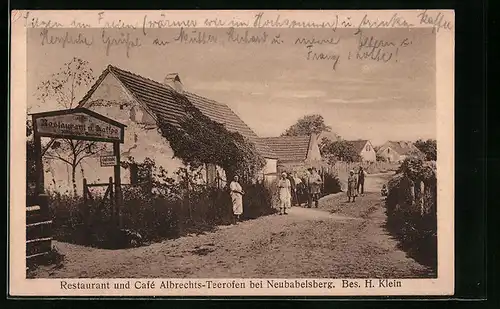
column 91, row 199
column 38, row 229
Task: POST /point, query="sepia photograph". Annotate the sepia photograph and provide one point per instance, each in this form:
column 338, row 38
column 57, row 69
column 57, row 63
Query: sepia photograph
column 233, row 148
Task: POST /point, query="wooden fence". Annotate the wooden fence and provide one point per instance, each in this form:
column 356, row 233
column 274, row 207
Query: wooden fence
column 38, row 229
column 342, row 168
column 107, row 198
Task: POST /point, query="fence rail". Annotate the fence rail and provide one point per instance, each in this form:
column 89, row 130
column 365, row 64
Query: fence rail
column 370, row 167
column 38, row 229
column 108, row 196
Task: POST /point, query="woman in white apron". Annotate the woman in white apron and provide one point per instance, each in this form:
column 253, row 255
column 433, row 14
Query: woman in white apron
column 285, row 195
column 236, row 197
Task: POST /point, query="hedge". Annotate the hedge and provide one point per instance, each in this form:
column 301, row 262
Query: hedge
column 411, row 212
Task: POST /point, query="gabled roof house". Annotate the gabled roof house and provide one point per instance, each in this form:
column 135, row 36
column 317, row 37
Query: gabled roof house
column 395, row 151
column 364, row 149
column 142, row 104
column 161, row 101
column 295, row 151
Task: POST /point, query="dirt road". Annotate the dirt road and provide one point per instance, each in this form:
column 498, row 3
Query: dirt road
column 338, row 240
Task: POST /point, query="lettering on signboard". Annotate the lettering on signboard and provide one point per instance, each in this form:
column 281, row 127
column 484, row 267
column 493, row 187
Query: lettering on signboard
column 108, row 161
column 78, row 124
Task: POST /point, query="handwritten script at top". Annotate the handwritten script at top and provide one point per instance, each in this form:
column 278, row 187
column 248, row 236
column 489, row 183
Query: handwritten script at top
column 126, row 37
column 437, row 21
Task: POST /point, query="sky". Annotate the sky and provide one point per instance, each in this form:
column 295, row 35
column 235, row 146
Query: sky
column 270, row 86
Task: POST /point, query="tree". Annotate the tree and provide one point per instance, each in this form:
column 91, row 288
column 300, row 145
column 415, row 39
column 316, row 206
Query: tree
column 308, row 125
column 324, row 143
column 419, row 172
column 428, row 147
column 62, row 87
column 72, row 153
column 340, row 150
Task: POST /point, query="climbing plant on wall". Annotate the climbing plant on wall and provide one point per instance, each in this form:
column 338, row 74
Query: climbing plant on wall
column 199, row 140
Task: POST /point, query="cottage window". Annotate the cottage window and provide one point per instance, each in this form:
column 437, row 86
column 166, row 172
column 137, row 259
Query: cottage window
column 367, row 147
column 388, row 150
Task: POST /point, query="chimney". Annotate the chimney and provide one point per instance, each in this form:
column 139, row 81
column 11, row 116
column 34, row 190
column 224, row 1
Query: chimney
column 314, row 137
column 173, row 80
column 313, row 142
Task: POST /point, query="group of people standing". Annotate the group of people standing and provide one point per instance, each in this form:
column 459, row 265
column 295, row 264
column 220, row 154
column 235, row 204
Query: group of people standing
column 292, row 188
column 355, row 184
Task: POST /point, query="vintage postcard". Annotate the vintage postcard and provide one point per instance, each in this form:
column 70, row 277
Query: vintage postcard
column 231, row 153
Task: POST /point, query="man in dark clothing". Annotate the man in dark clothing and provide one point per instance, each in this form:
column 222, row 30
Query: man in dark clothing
column 361, row 180
column 314, row 185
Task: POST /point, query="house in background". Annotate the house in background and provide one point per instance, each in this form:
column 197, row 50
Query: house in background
column 397, row 151
column 295, row 152
column 365, row 150
column 142, row 105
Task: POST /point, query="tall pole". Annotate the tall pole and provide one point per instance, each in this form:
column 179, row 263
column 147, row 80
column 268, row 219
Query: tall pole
column 38, row 162
column 118, row 186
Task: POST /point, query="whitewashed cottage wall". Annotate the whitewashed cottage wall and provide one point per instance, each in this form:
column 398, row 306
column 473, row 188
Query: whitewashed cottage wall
column 390, row 154
column 368, row 154
column 142, row 139
column 313, row 153
column 270, row 167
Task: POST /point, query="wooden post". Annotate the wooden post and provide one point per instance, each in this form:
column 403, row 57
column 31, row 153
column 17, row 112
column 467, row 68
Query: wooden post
column 86, row 212
column 85, row 191
column 118, row 189
column 188, row 195
column 38, row 163
column 207, row 175
column 43, row 202
column 112, row 200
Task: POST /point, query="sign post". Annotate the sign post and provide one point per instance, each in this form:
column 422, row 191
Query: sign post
column 80, row 124
column 38, row 164
column 118, row 187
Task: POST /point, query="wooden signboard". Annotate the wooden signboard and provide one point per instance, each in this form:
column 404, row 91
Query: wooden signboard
column 78, row 123
column 108, row 161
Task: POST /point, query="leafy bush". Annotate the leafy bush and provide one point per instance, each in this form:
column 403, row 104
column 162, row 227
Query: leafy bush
column 67, row 217
column 257, row 201
column 153, row 217
column 340, row 150
column 168, row 210
column 428, row 147
column 273, row 193
column 411, row 213
column 380, row 158
column 332, row 184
